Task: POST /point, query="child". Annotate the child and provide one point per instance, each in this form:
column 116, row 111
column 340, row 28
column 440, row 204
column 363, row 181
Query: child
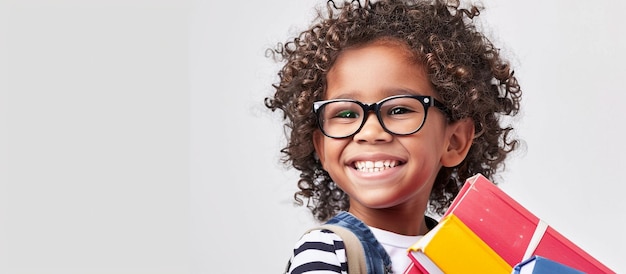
column 390, row 107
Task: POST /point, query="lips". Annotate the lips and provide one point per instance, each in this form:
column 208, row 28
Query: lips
column 375, row 166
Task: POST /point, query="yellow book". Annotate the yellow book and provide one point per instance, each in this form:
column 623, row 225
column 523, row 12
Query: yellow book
column 451, row 247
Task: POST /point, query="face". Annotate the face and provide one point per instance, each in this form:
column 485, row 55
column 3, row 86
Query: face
column 409, row 163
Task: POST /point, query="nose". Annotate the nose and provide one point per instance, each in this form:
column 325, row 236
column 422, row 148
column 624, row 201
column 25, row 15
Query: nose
column 372, row 131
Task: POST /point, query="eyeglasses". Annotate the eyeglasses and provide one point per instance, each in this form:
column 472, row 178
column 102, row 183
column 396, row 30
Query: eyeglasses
column 398, row 115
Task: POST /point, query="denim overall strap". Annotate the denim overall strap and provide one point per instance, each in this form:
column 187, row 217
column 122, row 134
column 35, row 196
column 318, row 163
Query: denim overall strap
column 378, row 261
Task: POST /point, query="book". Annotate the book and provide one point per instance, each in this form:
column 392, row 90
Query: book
column 541, row 265
column 451, row 247
column 414, row 268
column 512, row 231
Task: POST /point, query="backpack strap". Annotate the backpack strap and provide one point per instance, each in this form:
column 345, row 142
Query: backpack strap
column 355, row 255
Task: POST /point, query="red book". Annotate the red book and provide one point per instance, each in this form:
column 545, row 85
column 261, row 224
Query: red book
column 514, row 232
column 415, row 268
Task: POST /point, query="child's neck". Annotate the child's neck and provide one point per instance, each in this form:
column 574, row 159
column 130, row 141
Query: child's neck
column 401, row 221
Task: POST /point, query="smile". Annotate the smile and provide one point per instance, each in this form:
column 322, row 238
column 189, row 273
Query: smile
column 375, row 166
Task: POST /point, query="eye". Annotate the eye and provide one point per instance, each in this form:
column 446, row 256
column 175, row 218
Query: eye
column 348, row 114
column 398, row 110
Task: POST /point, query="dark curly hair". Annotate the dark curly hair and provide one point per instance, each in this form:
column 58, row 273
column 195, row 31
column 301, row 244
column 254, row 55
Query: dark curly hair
column 463, row 66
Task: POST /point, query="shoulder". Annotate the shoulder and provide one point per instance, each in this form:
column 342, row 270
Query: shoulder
column 319, row 250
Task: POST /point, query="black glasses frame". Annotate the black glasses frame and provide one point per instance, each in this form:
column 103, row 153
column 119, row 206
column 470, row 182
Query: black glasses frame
column 427, row 102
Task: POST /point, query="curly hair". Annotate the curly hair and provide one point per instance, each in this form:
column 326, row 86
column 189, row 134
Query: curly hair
column 463, row 66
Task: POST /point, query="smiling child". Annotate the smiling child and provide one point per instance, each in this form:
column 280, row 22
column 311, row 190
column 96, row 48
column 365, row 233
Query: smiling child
column 389, row 106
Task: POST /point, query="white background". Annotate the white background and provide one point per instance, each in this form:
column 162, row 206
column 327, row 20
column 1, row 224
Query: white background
column 134, row 137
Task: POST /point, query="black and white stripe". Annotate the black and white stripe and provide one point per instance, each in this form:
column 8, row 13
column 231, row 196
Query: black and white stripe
column 319, row 252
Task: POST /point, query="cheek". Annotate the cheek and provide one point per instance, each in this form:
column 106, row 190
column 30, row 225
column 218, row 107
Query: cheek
column 330, row 151
column 427, row 148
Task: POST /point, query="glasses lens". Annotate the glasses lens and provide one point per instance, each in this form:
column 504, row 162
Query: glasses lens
column 341, row 118
column 403, row 115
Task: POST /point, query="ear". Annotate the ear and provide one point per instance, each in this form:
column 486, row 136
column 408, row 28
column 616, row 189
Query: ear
column 460, row 136
column 318, row 143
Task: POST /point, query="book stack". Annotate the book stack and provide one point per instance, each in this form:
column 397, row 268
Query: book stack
column 486, row 231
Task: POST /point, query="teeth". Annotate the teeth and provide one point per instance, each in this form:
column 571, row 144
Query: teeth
column 374, row 166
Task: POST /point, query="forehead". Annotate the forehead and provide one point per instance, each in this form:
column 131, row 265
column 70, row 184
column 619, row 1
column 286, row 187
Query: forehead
column 377, row 70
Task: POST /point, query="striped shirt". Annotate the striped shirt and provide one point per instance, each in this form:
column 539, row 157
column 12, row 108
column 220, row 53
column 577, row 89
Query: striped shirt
column 322, row 251
column 319, row 252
